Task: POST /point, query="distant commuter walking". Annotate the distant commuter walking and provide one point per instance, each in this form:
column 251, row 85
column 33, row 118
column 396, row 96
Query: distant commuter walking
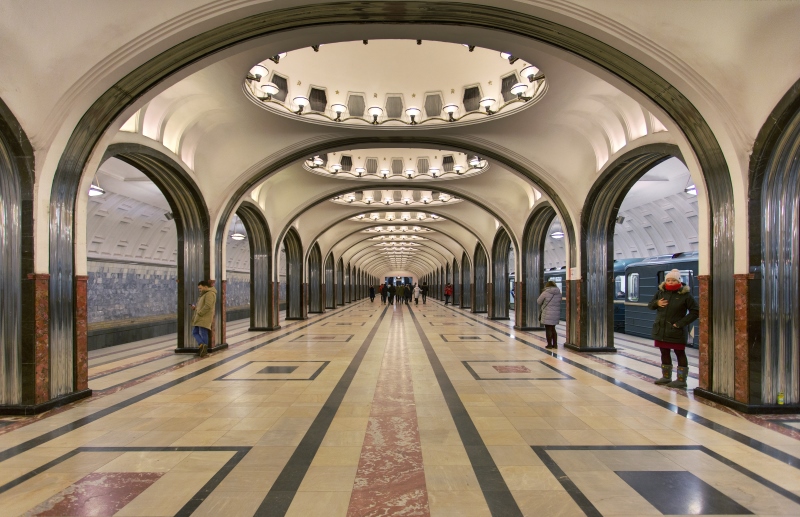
column 407, row 293
column 203, row 316
column 424, row 293
column 677, row 309
column 448, row 292
column 384, row 293
column 417, row 292
column 550, row 312
column 372, row 293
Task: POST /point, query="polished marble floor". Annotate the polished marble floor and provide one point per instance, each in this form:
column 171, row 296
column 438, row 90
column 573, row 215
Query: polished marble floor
column 393, row 410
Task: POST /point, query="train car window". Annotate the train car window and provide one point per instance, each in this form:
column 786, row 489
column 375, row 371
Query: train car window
column 557, row 280
column 633, row 287
column 619, row 287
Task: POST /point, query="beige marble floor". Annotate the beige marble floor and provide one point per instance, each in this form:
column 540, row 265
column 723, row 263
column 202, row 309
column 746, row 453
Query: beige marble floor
column 217, row 436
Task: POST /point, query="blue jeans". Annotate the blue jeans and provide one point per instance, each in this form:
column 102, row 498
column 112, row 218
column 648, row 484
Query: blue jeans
column 200, row 335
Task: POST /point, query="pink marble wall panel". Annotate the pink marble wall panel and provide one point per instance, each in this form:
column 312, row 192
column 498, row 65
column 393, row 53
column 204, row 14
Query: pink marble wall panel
column 705, row 348
column 519, row 305
column 81, row 333
column 741, row 375
column 41, row 297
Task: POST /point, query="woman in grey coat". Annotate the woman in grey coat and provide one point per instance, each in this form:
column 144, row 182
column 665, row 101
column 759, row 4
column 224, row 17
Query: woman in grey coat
column 550, row 312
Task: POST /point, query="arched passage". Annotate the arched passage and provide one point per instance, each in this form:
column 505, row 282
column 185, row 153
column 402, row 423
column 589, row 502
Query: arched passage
column 771, row 363
column 330, row 283
column 192, row 224
column 263, row 296
column 499, row 286
column 295, row 309
column 480, row 275
column 146, row 78
column 466, row 282
column 19, row 287
column 595, row 319
column 315, row 280
column 530, row 282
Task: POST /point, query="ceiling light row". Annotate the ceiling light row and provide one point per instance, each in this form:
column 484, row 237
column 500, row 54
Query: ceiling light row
column 391, row 216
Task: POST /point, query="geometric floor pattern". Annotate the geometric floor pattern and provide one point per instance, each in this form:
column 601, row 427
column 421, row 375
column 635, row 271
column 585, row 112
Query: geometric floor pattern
column 371, row 409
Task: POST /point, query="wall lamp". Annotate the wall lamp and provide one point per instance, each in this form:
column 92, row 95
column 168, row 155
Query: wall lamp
column 338, row 109
column 519, row 90
column 277, row 57
column 257, row 72
column 532, row 73
column 487, row 103
column 451, row 110
column 269, row 89
column 413, row 113
column 301, row 102
column 375, row 112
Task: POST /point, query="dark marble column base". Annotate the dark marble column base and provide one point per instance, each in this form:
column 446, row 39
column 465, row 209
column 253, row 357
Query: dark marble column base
column 750, row 409
column 263, row 329
column 316, row 312
column 194, row 350
column 591, row 350
column 528, row 328
column 35, row 409
column 500, row 318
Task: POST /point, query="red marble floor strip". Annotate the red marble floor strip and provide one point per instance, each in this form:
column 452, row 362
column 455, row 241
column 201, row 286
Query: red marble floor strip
column 390, row 479
column 99, row 494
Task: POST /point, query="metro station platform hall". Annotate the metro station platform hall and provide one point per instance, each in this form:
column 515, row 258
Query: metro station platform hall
column 561, row 163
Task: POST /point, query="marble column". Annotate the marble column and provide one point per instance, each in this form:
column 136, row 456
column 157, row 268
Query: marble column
column 574, row 323
column 520, row 305
column 275, row 306
column 223, row 297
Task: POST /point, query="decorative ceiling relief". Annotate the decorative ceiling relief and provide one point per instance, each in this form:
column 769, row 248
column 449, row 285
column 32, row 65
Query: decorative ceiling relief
column 395, row 198
column 397, row 217
column 394, row 84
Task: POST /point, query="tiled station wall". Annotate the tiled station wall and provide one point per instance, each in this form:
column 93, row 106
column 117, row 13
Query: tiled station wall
column 129, row 302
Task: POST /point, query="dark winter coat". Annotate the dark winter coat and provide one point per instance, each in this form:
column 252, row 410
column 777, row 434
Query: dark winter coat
column 550, row 299
column 681, row 310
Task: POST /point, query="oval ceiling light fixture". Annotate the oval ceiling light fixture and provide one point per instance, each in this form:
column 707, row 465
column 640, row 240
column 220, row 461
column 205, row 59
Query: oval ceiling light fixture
column 357, row 104
column 336, row 167
column 360, row 171
column 487, row 103
column 557, row 235
column 301, row 102
column 237, row 235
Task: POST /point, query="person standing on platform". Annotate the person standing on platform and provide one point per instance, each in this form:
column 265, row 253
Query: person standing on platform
column 448, row 292
column 400, row 293
column 203, row 316
column 417, row 292
column 677, row 309
column 392, row 291
column 371, row 293
column 384, row 289
column 550, row 312
column 424, row 293
column 408, row 292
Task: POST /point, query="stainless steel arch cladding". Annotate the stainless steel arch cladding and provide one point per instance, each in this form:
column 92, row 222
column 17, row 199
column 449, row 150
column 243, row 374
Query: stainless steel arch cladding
column 500, row 276
column 294, row 275
column 533, row 263
column 258, row 235
column 480, row 276
column 466, row 282
column 340, row 282
column 330, row 283
column 315, row 279
column 456, row 283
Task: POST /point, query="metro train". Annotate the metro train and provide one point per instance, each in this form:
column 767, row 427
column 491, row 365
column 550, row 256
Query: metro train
column 635, row 284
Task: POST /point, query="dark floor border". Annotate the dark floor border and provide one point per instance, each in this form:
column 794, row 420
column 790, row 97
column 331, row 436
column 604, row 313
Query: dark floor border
column 495, row 490
column 81, row 422
column 478, row 377
column 542, row 451
column 313, row 376
column 281, row 494
column 494, row 339
column 194, row 502
column 762, row 447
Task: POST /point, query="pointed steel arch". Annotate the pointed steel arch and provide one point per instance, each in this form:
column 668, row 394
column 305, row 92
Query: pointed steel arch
column 529, row 286
column 295, row 303
column 466, row 282
column 500, row 293
column 595, row 319
column 315, row 293
column 191, row 222
column 330, row 283
column 263, row 295
column 479, row 284
column 456, row 283
column 18, row 284
column 340, row 279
